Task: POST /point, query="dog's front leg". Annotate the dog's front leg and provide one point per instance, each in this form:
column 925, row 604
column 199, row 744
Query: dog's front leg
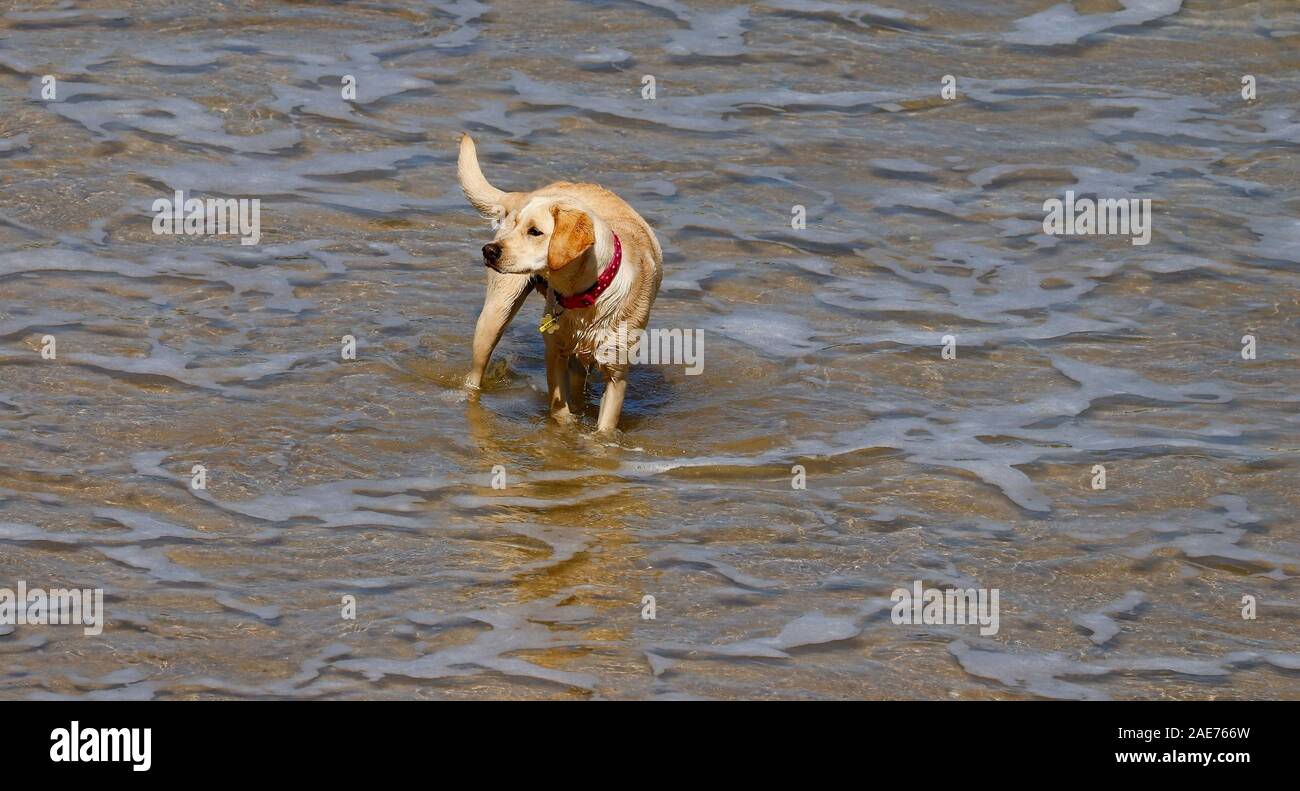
column 611, row 403
column 505, row 293
column 557, row 380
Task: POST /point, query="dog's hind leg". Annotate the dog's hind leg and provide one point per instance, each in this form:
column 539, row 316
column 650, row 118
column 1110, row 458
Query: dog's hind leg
column 505, row 293
column 577, row 385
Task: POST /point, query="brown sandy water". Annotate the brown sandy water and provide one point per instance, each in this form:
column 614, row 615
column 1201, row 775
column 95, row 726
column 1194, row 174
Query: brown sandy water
column 373, row 477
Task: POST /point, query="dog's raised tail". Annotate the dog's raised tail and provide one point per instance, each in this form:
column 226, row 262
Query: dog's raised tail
column 483, row 196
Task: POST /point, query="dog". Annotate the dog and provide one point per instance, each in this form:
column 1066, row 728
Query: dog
column 597, row 262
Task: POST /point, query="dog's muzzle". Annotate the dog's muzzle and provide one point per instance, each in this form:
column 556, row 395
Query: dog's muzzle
column 491, row 255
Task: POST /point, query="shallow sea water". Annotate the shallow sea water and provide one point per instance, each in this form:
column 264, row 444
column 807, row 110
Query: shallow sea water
column 372, row 478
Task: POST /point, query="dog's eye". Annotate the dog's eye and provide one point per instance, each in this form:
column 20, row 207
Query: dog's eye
column 534, row 232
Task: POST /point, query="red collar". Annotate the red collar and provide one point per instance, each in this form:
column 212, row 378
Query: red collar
column 588, row 298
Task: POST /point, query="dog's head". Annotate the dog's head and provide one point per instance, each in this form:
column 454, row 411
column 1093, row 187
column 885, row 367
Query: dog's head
column 535, row 236
column 542, row 236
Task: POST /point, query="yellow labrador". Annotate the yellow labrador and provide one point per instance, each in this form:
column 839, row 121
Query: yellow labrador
column 598, row 263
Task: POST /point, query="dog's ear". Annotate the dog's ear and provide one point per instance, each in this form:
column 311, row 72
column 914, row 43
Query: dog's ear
column 573, row 235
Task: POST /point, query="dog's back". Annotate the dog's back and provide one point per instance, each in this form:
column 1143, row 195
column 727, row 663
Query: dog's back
column 613, row 210
column 635, row 233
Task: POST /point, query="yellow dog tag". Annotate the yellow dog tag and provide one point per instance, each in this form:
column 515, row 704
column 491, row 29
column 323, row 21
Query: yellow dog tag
column 549, row 324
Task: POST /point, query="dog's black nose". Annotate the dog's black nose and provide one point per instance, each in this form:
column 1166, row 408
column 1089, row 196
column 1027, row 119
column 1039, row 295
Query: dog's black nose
column 491, row 253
